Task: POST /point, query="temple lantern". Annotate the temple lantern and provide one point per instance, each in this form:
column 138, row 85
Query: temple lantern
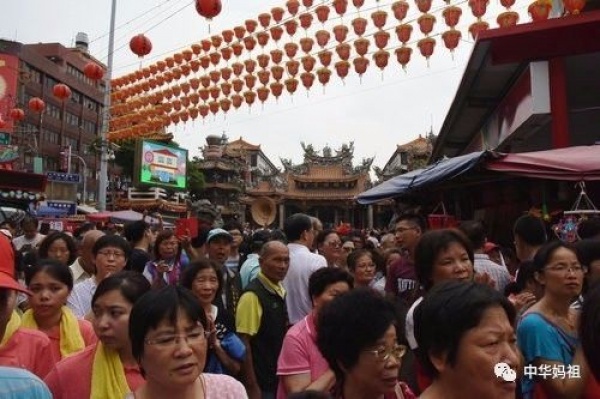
column 322, row 37
column 381, row 58
column 215, row 92
column 215, row 58
column 340, row 7
column 277, row 13
column 361, row 45
column 423, row 5
column 404, row 32
column 290, row 49
column 194, row 98
column 249, row 43
column 176, row 90
column 276, row 56
column 306, row 44
column 214, row 107
column 225, row 104
column 291, row 85
column 238, row 85
column 452, row 15
column 250, row 81
column 226, row 53
column 379, row 18
column 177, row 105
column 342, row 68
column 196, row 48
column 262, row 93
column 426, row 47
column 403, row 55
column 167, row 107
column 250, row 25
column 426, row 22
column 263, row 60
column 185, row 69
column 208, row 8
column 237, row 48
column 276, row 33
column 360, row 65
column 195, row 83
column 574, row 7
column 307, row 3
column 17, row 114
column 323, row 74
column 187, row 54
column 215, row 76
column 308, row 63
column 239, row 32
column 185, row 101
column 145, row 86
column 161, row 65
column 93, row 71
column 250, row 65
column 325, row 57
column 291, row 26
column 176, row 73
column 264, row 76
column 204, row 94
column 206, row 45
column 477, row 27
column 277, row 72
column 539, row 10
column 226, row 73
column 193, row 113
column 400, row 9
column 507, row 18
column 381, row 39
column 358, row 3
column 153, row 69
column 307, row 79
column 203, row 109
column 478, row 7
column 175, row 118
column 178, row 57
column 205, row 62
column 61, row 91
column 216, row 41
column 276, row 89
column 226, row 88
column 359, row 25
column 343, row 51
column 140, row 45
column 322, row 13
column 305, row 20
column 264, row 19
column 168, row 93
column 451, row 39
column 139, row 75
column 292, row 67
column 340, row 32
column 262, row 38
column 205, row 81
column 227, row 35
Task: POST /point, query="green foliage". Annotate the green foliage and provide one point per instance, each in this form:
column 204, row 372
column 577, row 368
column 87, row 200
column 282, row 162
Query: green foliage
column 195, row 178
column 125, row 157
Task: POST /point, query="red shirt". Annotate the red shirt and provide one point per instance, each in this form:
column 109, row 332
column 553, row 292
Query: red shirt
column 30, row 350
column 87, row 333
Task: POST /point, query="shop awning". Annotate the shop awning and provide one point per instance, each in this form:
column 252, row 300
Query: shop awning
column 442, row 170
column 578, row 163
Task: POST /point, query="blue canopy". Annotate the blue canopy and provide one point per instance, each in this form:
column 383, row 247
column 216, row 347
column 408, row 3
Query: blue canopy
column 50, row 211
column 444, row 169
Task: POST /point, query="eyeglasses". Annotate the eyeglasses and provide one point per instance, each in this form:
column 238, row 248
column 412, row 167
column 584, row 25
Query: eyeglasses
column 404, row 229
column 564, row 269
column 383, row 354
column 115, row 254
column 334, row 244
column 169, row 341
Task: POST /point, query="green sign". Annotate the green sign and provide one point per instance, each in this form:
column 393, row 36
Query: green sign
column 4, row 138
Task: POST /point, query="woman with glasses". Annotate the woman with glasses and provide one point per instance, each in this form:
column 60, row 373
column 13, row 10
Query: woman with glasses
column 361, row 265
column 467, row 343
column 109, row 254
column 547, row 331
column 107, row 369
column 168, row 263
column 356, row 334
column 168, row 332
column 330, row 246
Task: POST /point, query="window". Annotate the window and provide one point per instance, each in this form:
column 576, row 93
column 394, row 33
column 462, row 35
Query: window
column 72, row 119
column 76, row 97
column 49, row 82
column 90, row 104
column 253, row 160
column 74, row 143
column 404, row 158
column 31, row 74
column 50, row 136
column 52, row 110
column 90, row 127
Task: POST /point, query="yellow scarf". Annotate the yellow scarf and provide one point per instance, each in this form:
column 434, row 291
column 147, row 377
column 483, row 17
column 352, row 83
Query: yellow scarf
column 108, row 375
column 11, row 327
column 71, row 340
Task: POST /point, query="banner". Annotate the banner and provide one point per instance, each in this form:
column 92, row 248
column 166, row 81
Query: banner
column 9, row 72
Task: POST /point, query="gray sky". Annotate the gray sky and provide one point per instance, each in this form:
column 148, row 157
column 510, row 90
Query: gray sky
column 377, row 113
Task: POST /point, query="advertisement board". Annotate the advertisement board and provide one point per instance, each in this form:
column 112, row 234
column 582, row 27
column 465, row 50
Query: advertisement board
column 160, row 165
column 9, row 70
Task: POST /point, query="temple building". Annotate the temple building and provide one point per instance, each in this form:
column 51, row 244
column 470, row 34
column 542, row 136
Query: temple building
column 409, row 156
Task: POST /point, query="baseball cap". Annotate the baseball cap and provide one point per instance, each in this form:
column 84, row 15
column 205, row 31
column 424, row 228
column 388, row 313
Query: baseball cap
column 7, row 267
column 214, row 233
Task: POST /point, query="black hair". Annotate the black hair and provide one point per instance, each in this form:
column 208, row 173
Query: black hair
column 309, row 394
column 52, row 267
column 429, row 247
column 134, row 231
column 588, row 251
column 589, row 228
column 543, row 255
column 158, row 305
column 84, row 228
column 415, row 219
column 50, row 239
column 531, row 230
column 259, row 238
column 295, row 225
column 349, row 324
column 29, row 220
column 323, row 234
column 525, row 275
column 448, row 311
column 192, row 270
column 589, row 325
column 111, row 241
column 326, row 276
column 233, row 225
column 475, row 232
column 132, row 285
column 278, row 235
column 163, row 236
column 356, row 254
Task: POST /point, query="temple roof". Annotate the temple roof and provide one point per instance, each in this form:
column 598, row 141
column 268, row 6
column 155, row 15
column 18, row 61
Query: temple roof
column 241, row 144
column 419, row 146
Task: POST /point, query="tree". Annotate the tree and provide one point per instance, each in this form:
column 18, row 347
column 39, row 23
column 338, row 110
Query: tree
column 195, row 178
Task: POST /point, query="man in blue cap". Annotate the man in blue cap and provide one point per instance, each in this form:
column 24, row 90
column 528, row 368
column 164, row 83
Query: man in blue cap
column 218, row 248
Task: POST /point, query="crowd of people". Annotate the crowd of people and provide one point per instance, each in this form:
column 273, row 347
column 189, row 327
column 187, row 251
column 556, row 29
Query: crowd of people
column 302, row 312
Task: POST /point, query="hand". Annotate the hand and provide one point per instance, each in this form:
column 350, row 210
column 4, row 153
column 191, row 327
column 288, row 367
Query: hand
column 213, row 341
column 485, row 279
column 162, row 267
column 522, row 301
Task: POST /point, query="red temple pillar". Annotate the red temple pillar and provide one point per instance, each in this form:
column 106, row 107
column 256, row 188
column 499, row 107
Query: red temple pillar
column 558, row 103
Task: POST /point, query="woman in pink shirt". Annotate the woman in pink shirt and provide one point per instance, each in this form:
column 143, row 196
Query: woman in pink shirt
column 300, row 365
column 107, row 369
column 50, row 283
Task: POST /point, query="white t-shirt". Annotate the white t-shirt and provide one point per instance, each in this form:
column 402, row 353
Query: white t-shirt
column 80, row 300
column 21, row 241
column 409, row 327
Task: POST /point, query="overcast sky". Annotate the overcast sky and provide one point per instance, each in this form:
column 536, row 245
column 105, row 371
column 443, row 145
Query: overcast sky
column 377, row 112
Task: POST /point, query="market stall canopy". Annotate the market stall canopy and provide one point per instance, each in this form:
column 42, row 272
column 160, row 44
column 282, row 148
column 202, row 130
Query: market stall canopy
column 49, row 211
column 131, row 216
column 442, row 170
column 99, row 216
column 86, row 209
column 578, row 163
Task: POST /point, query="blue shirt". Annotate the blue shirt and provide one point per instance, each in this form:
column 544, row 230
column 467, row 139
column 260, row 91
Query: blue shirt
column 249, row 270
column 21, row 384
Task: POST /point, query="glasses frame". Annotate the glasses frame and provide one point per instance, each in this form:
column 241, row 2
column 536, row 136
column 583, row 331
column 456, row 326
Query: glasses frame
column 384, row 354
column 177, row 337
column 566, row 270
column 109, row 254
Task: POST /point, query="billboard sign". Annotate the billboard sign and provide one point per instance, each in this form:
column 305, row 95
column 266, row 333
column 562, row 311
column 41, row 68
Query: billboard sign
column 160, row 165
column 9, row 70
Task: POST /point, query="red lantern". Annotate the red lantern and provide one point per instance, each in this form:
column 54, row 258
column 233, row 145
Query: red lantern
column 403, row 32
column 276, row 33
column 477, row 27
column 2, row 123
column 306, row 44
column 277, row 72
column 61, row 91
column 250, row 25
column 308, row 63
column 358, row 3
column 305, row 20
column 225, row 104
column 36, row 104
column 342, row 68
column 17, row 114
column 204, row 94
column 203, row 109
column 208, row 8
column 360, row 65
column 264, row 76
column 507, row 3
column 263, row 93
column 451, row 39
column 214, row 107
column 238, row 68
column 215, row 76
column 206, row 45
column 359, row 25
column 307, row 79
column 291, row 26
column 262, row 38
column 322, row 37
column 263, row 60
column 226, row 88
column 574, row 7
column 239, row 32
column 381, row 58
column 277, row 13
column 343, row 51
column 478, row 7
column 276, row 89
column 291, row 84
column 290, row 49
column 452, row 15
column 178, row 58
column 292, row 67
column 426, row 22
column 507, row 18
column 423, row 5
column 307, row 3
column 264, row 19
column 226, row 73
column 93, row 71
column 325, row 57
column 216, row 41
column 140, row 45
column 237, row 48
column 227, row 35
column 322, row 13
column 340, row 32
column 361, row 46
column 400, row 9
column 324, row 75
column 249, row 43
column 215, row 58
column 539, row 10
column 340, row 6
column 426, row 46
column 379, row 18
column 381, row 39
column 215, row 92
column 276, row 56
column 226, row 53
column 250, row 81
